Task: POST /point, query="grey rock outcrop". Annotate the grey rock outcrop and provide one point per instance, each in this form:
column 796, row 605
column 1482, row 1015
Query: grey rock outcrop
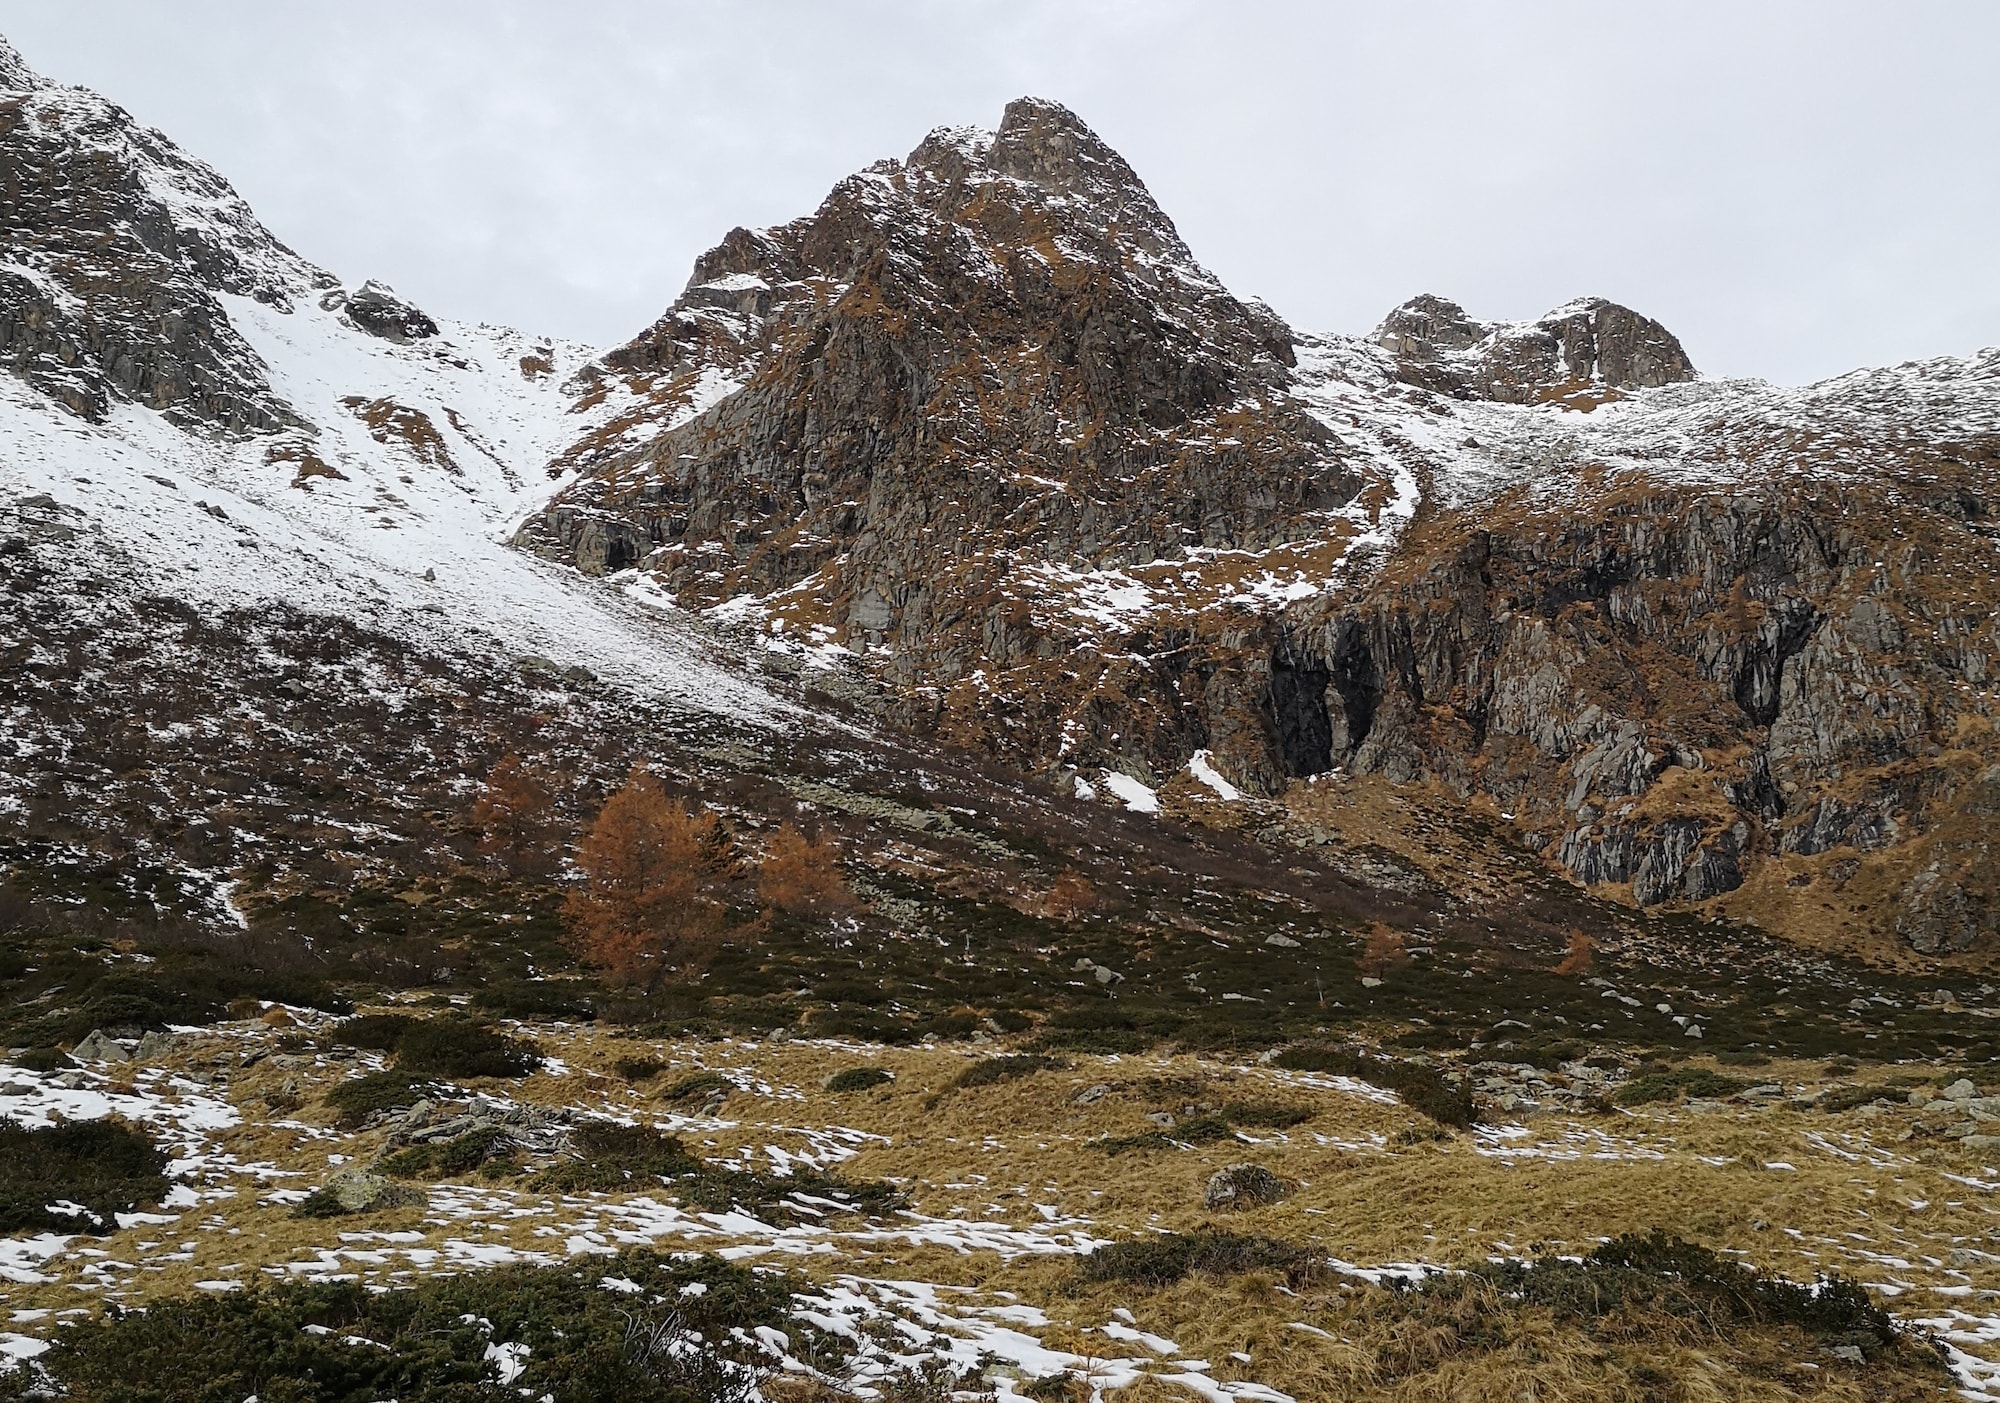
column 118, row 245
column 377, row 310
column 1000, row 343
column 1241, row 1186
column 1589, row 344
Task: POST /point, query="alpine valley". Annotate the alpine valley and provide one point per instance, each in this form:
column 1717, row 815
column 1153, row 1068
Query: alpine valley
column 1239, row 863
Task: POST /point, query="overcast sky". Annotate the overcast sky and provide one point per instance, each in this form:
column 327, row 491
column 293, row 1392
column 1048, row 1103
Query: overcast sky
column 1794, row 189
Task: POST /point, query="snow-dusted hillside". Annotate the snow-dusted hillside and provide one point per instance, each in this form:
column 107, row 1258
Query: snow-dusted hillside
column 221, row 421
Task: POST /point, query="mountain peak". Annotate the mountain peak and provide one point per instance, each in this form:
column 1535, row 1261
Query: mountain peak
column 1588, row 343
column 15, row 74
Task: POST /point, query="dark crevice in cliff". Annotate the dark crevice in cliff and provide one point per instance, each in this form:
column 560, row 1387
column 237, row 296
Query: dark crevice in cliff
column 1760, row 681
column 1298, row 705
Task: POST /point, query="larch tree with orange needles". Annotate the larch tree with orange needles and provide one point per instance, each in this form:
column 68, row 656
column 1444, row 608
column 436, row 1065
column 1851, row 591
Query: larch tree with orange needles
column 802, row 877
column 1383, row 953
column 1071, row 897
column 655, row 888
column 1582, row 954
column 515, row 816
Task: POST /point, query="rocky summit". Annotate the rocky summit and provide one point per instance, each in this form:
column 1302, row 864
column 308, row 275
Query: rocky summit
column 970, row 814
column 984, row 424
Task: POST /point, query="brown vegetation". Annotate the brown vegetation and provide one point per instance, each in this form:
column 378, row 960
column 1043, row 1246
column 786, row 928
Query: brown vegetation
column 802, row 877
column 655, row 888
column 1071, row 898
column 516, row 820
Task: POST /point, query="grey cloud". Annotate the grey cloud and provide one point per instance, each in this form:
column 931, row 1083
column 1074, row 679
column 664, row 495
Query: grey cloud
column 1795, row 189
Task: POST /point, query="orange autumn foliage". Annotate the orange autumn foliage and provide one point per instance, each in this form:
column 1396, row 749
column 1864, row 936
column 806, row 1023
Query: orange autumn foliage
column 1582, row 954
column 1071, row 897
column 1383, row 952
column 654, row 895
column 802, row 877
column 516, row 821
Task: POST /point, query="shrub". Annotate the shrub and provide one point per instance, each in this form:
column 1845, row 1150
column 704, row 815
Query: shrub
column 1163, row 1260
column 697, row 1086
column 445, row 1046
column 990, row 1071
column 1204, row 1130
column 104, row 1166
column 1678, row 1084
column 609, row 1156
column 768, row 1196
column 320, row 1203
column 443, row 1159
column 358, row 1098
column 638, row 1068
column 1102, row 1041
column 857, row 1079
column 436, row 1342
column 1659, row 1270
column 1426, row 1090
column 1267, row 1115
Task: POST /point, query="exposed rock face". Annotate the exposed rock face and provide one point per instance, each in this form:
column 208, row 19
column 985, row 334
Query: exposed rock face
column 117, row 244
column 1587, row 346
column 1674, row 684
column 377, row 310
column 998, row 346
column 983, row 420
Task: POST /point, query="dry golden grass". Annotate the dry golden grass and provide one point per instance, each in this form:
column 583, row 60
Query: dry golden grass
column 997, row 1153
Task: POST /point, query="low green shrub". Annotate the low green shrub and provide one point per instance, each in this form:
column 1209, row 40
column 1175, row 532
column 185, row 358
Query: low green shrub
column 991, row 1071
column 769, row 1196
column 1678, row 1084
column 1100, row 1041
column 379, row 1032
column 1267, row 1115
column 445, row 1159
column 697, row 1086
column 857, row 1079
column 1665, row 1272
column 1163, row 1260
column 358, row 1098
column 578, row 1332
column 105, row 1167
column 610, row 1157
column 444, row 1046
column 42, row 1059
column 1424, row 1089
column 1203, row 1130
column 453, row 1047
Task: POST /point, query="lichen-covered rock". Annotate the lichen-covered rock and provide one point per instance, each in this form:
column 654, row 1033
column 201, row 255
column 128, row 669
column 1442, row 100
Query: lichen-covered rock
column 1241, row 1186
column 356, row 1190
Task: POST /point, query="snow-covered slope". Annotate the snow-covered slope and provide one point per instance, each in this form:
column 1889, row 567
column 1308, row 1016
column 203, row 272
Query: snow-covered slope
column 234, row 427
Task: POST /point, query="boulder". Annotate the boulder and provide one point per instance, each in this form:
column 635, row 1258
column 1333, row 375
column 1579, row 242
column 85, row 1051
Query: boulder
column 377, row 310
column 98, row 1046
column 1241, row 1186
column 358, row 1191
